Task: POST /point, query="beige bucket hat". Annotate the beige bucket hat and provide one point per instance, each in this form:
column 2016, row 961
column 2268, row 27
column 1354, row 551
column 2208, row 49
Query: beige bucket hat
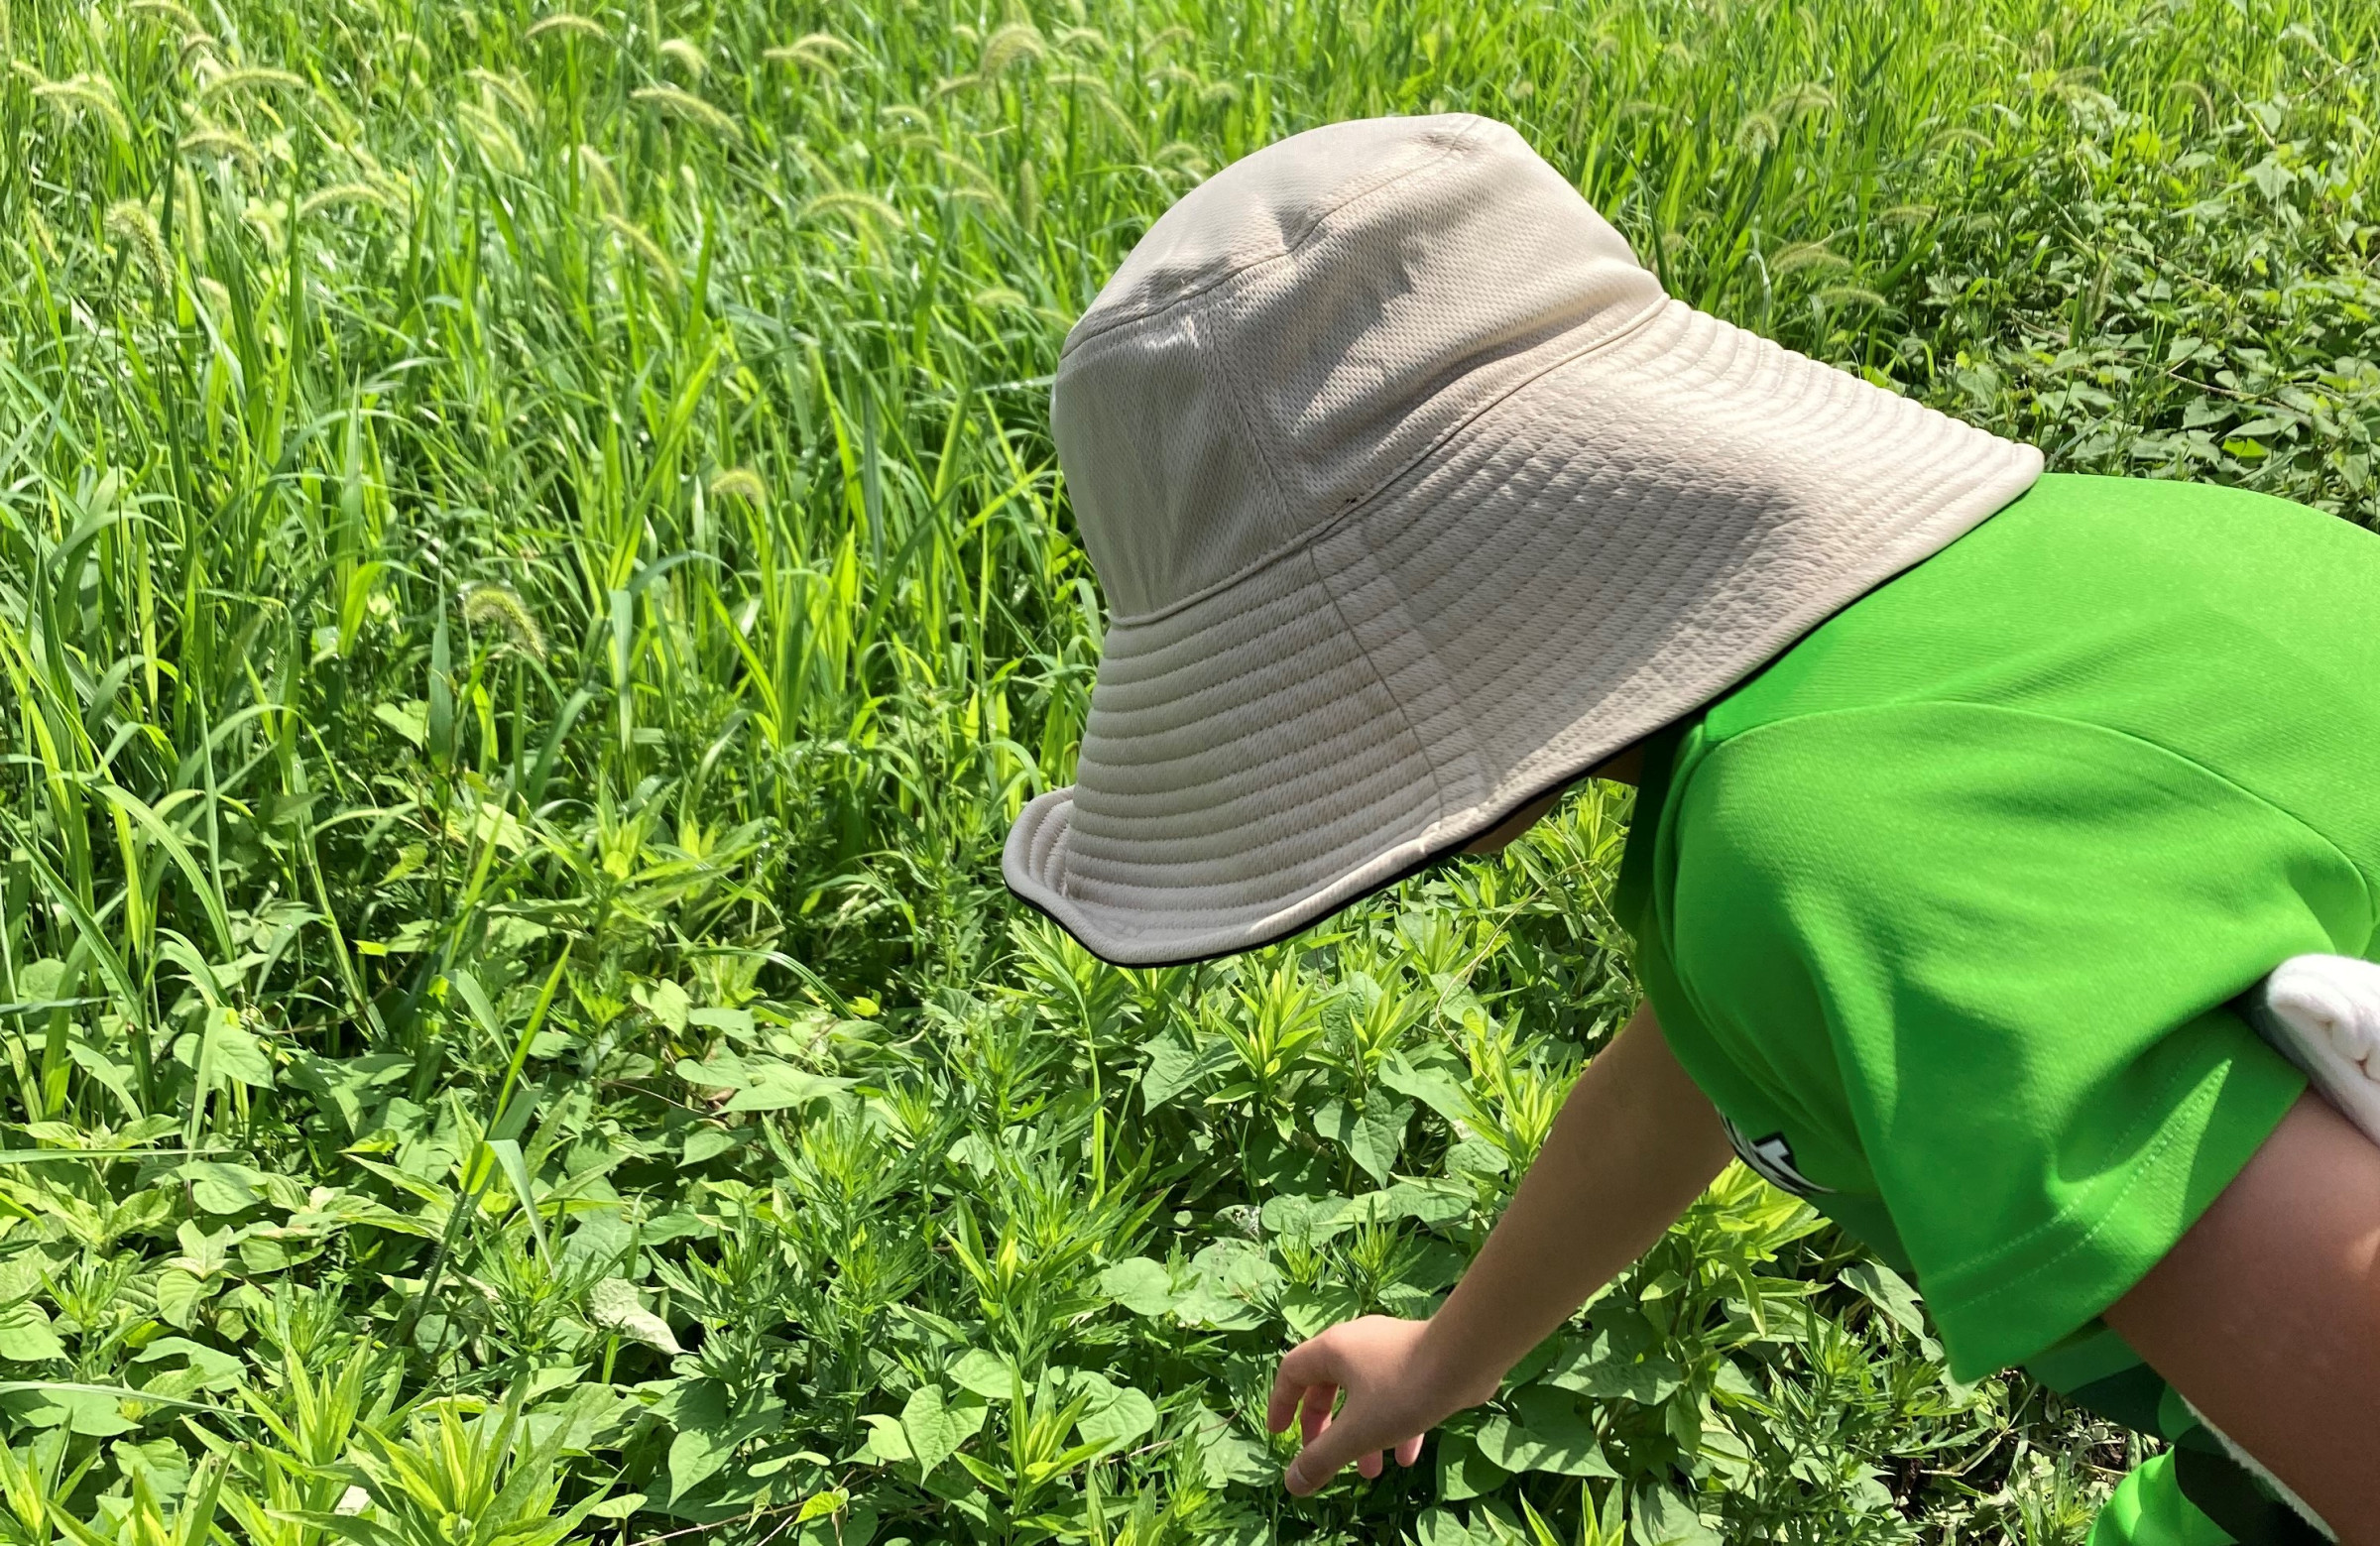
column 1415, row 497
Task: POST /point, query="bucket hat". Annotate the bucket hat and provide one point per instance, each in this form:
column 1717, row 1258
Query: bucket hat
column 1413, row 497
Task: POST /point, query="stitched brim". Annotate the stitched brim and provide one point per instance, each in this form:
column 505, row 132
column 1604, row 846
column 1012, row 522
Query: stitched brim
column 1607, row 549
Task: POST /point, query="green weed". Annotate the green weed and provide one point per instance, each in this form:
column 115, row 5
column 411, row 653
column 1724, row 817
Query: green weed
column 533, row 580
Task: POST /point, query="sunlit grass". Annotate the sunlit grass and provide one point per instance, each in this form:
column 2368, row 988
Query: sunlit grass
column 532, row 579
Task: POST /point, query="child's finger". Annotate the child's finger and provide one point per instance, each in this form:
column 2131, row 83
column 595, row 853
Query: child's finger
column 1322, row 1458
column 1302, row 1367
column 1409, row 1450
column 1287, row 1391
column 1316, row 1413
column 1368, row 1464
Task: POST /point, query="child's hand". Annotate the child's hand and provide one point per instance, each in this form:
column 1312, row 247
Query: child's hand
column 1392, row 1397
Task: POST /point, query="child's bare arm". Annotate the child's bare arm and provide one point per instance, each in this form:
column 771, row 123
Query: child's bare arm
column 1636, row 1142
column 2267, row 1315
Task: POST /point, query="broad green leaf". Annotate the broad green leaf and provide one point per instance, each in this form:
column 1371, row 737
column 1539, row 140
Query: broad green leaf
column 234, row 1053
column 1604, row 1369
column 1463, row 1471
column 1312, row 1220
column 887, row 1443
column 1141, row 1285
column 1226, row 1456
column 1379, row 1136
column 1660, row 1518
column 26, row 1337
column 1117, row 1414
column 1311, row 1311
column 92, row 1412
column 667, row 1003
column 1372, row 1137
column 821, row 1505
column 614, row 1305
column 215, row 1368
column 273, row 1248
column 219, row 1186
column 1172, row 1066
column 1234, row 1283
column 1544, row 1433
column 984, row 1372
column 762, row 1084
column 935, row 1427
column 1888, row 1291
column 698, row 1410
column 708, row 1142
column 179, row 1296
column 409, row 719
column 1434, row 1084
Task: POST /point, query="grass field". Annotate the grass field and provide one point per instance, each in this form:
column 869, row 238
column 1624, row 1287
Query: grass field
column 532, row 579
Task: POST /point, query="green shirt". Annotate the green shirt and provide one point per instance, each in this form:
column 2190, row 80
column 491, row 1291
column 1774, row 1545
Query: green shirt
column 1944, row 907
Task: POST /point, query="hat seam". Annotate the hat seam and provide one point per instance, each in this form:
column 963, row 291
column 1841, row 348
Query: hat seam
column 1077, row 337
column 1404, row 718
column 1357, row 507
column 1218, row 360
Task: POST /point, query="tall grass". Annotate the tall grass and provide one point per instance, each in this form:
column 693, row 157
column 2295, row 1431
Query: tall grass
column 533, row 578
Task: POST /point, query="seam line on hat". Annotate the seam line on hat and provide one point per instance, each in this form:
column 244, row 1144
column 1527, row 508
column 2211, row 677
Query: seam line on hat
column 1219, row 362
column 1453, row 142
column 1308, row 537
column 1331, row 593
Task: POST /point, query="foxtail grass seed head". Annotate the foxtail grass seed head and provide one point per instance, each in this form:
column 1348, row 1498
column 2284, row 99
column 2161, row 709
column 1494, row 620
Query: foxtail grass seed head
column 639, row 241
column 495, row 140
column 217, row 142
column 565, row 24
column 595, row 171
column 1018, row 43
column 189, row 210
column 1856, row 298
column 821, row 52
column 686, row 56
column 688, row 108
column 168, row 12
column 39, row 231
column 488, row 605
column 340, row 194
column 1181, row 155
column 253, row 77
column 740, row 483
column 86, row 96
column 130, row 222
column 864, row 208
column 504, row 92
column 269, row 218
column 1808, row 255
column 1807, row 101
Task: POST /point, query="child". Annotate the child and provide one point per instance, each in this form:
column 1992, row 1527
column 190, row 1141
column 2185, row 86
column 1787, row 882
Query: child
column 1968, row 800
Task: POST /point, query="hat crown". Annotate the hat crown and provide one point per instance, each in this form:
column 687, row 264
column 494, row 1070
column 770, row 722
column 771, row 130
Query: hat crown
column 1307, row 325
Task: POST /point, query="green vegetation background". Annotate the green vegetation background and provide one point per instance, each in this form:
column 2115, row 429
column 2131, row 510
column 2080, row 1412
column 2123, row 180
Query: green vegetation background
column 533, row 580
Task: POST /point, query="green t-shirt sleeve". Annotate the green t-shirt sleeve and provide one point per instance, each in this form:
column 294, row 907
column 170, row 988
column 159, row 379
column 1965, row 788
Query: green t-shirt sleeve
column 1987, row 953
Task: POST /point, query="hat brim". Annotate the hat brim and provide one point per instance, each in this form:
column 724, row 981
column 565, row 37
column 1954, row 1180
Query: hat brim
column 1603, row 549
